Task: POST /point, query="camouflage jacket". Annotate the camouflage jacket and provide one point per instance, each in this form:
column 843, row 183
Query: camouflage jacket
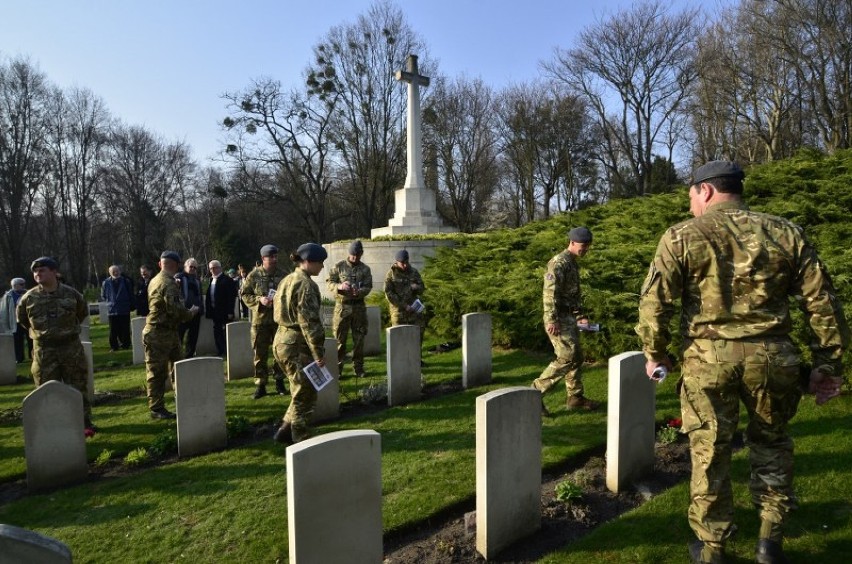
column 561, row 293
column 257, row 284
column 358, row 275
column 165, row 303
column 297, row 306
column 734, row 271
column 52, row 316
column 398, row 286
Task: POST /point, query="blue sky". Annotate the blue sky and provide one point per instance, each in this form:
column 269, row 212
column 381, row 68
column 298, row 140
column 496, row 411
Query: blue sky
column 164, row 64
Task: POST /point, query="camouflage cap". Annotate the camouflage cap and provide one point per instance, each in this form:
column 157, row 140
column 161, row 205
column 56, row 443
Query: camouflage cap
column 49, row 262
column 580, row 235
column 401, row 256
column 716, row 169
column 171, row 255
column 356, row 248
column 268, row 250
column 312, row 252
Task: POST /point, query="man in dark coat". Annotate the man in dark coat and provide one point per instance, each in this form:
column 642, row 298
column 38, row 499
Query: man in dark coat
column 219, row 303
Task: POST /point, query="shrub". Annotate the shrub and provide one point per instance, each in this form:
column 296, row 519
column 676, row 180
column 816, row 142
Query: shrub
column 165, row 443
column 237, row 426
column 137, row 457
column 667, row 435
column 103, row 457
column 568, row 492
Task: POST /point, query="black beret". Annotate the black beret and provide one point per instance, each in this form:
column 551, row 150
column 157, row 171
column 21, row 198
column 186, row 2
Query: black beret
column 268, row 250
column 717, row 169
column 171, row 255
column 356, row 248
column 49, row 262
column 580, row 235
column 312, row 252
column 401, row 256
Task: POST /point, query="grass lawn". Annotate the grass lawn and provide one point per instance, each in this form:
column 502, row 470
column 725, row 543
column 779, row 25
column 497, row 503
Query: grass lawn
column 231, row 506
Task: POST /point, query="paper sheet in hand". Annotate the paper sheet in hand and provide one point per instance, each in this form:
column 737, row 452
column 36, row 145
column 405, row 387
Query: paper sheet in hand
column 418, row 306
column 319, row 376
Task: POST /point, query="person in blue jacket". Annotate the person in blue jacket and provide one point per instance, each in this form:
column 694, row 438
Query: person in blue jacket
column 117, row 291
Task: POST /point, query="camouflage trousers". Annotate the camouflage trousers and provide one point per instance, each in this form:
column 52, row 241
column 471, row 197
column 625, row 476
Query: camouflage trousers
column 162, row 349
column 292, row 353
column 402, row 317
column 350, row 316
column 261, row 340
column 717, row 375
column 66, row 363
column 568, row 362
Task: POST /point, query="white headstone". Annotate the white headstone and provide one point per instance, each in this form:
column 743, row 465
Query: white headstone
column 415, row 210
column 206, row 345
column 137, row 325
column 476, row 349
column 200, row 403
column 373, row 339
column 85, row 334
column 54, row 444
column 328, row 399
column 90, row 362
column 22, row 546
column 240, row 361
column 334, row 498
column 508, row 467
column 631, row 406
column 103, row 312
column 403, row 364
column 8, row 363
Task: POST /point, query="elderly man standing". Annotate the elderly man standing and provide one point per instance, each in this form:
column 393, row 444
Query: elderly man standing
column 257, row 292
column 350, row 281
column 117, row 291
column 52, row 313
column 189, row 283
column 160, row 337
column 219, row 302
column 563, row 314
column 734, row 272
column 8, row 321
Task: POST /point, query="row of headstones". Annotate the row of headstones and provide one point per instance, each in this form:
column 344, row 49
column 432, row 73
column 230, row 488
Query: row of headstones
column 55, row 448
column 334, row 480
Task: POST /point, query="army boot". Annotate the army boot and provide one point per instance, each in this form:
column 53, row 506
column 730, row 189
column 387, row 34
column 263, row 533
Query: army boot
column 700, row 553
column 279, row 387
column 769, row 552
column 259, row 392
column 581, row 402
column 284, row 434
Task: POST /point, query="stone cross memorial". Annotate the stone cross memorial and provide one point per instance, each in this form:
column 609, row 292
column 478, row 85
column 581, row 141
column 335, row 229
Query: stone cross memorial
column 415, row 210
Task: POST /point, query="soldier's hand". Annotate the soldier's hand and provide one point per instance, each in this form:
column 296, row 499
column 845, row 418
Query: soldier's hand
column 343, row 287
column 194, row 309
column 824, row 386
column 320, row 362
column 415, row 287
column 552, row 329
column 264, row 300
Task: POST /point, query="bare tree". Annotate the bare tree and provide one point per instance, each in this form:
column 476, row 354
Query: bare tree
column 357, row 62
column 143, row 182
column 80, row 125
column 284, row 137
column 24, row 162
column 634, row 69
column 460, row 127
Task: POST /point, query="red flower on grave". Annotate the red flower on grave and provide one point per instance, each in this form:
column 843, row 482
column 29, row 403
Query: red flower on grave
column 675, row 423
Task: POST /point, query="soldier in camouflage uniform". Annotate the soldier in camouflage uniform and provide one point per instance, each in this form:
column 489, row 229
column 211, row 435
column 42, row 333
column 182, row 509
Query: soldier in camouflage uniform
column 403, row 285
column 350, row 281
column 300, row 338
column 734, row 272
column 160, row 339
column 52, row 312
column 255, row 293
column 562, row 314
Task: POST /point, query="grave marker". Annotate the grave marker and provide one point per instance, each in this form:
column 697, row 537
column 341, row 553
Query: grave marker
column 54, row 444
column 476, row 349
column 334, row 498
column 103, row 313
column 631, row 405
column 403, row 364
column 373, row 339
column 328, row 399
column 206, row 345
column 240, row 361
column 200, row 404
column 508, row 467
column 22, row 546
column 90, row 363
column 137, row 325
column 85, row 334
column 8, row 363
